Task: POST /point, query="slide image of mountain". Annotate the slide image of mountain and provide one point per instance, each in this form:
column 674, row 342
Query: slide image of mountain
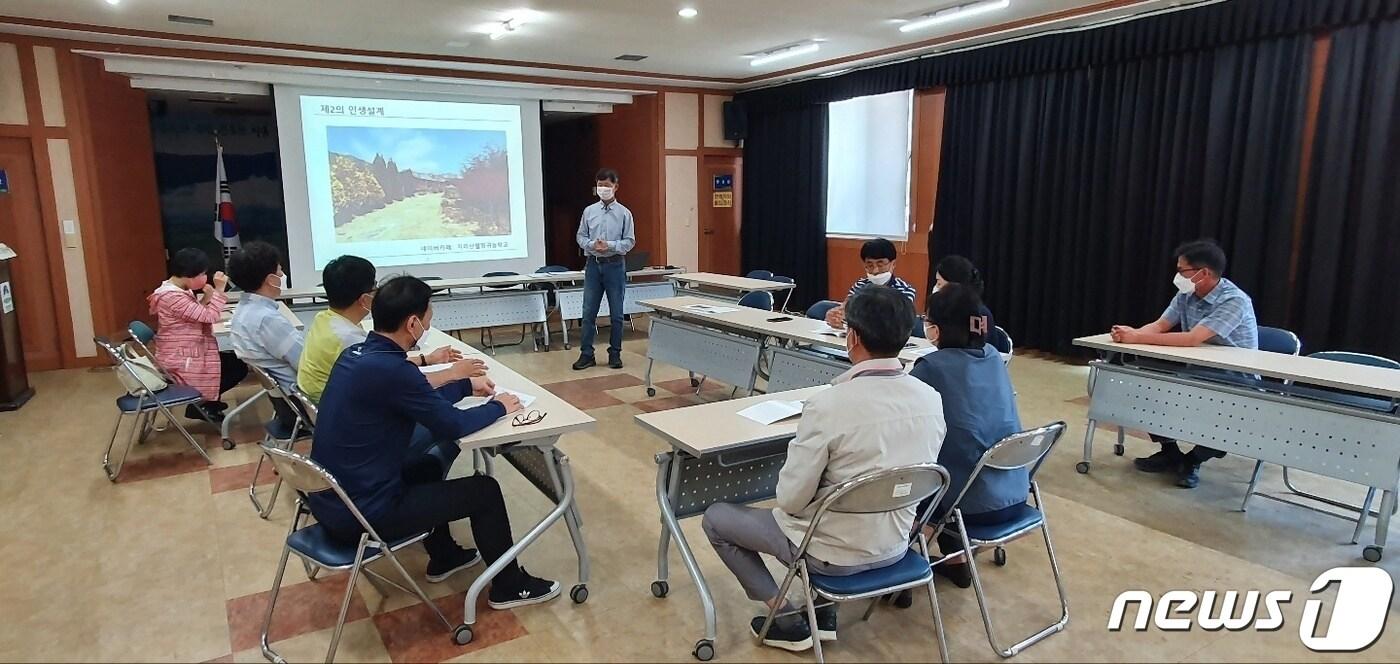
column 418, row 184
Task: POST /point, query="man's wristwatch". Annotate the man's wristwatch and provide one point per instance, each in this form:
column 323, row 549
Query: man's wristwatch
column 422, row 360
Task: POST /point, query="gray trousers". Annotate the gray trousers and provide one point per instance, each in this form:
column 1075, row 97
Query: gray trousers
column 740, row 533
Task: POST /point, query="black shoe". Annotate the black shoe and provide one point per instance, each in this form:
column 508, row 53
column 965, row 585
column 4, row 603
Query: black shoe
column 1161, row 462
column 789, row 631
column 826, row 621
column 904, row 599
column 525, row 591
column 440, row 570
column 194, row 412
column 615, row 362
column 960, row 575
column 215, row 407
column 1190, row 475
column 583, row 362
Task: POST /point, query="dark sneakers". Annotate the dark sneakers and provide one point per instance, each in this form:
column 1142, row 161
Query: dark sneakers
column 789, row 631
column 826, row 621
column 959, row 574
column 440, row 570
column 524, row 591
column 614, row 361
column 1190, row 475
column 583, row 362
column 195, row 412
column 1161, row 462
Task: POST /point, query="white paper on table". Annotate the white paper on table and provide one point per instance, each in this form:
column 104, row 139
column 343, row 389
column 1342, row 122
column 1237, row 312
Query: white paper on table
column 710, row 309
column 474, row 401
column 923, row 351
column 434, row 368
column 831, row 331
column 769, row 412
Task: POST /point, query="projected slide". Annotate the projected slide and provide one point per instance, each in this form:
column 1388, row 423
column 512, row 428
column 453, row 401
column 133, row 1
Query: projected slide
column 405, row 182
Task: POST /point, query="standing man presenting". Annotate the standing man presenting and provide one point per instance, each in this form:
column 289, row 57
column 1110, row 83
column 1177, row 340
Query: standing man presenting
column 605, row 234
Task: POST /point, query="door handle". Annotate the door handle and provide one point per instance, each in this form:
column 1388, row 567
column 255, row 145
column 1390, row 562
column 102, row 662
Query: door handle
column 709, row 231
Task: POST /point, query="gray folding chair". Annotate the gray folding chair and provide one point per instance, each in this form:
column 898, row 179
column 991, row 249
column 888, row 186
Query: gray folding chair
column 1363, row 511
column 317, row 548
column 876, row 493
column 145, row 405
column 276, row 435
column 1027, row 449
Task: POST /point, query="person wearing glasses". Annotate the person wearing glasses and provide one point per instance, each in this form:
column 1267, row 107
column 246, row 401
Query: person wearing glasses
column 1207, row 309
column 372, row 403
column 349, row 284
column 874, row 417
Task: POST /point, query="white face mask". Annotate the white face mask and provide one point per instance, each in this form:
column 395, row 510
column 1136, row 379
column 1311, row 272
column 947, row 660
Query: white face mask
column 879, row 279
column 281, row 281
column 1183, row 284
column 605, row 193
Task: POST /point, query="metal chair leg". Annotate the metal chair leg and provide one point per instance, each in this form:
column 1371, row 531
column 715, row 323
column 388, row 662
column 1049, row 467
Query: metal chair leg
column 1365, row 512
column 1253, row 482
column 349, row 593
column 184, row 432
column 107, row 468
column 417, row 590
column 807, row 592
column 267, row 650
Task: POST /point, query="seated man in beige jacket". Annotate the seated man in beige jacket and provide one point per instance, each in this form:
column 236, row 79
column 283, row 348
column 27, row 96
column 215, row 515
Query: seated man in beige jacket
column 874, row 417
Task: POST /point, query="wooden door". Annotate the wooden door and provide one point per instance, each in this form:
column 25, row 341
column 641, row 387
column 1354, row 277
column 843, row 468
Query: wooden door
column 719, row 226
column 22, row 228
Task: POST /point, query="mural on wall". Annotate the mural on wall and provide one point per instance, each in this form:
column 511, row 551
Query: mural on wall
column 183, row 134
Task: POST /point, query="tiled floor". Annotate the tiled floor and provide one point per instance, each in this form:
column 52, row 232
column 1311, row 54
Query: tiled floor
column 172, row 564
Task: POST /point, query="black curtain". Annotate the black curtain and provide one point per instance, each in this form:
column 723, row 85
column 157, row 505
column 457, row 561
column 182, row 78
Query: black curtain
column 1195, row 29
column 1349, row 270
column 784, row 214
column 1070, row 189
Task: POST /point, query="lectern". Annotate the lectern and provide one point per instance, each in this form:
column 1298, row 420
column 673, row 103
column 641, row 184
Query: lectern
column 14, row 380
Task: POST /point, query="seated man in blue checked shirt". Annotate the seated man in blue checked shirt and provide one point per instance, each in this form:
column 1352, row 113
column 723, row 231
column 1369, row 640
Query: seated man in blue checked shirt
column 1208, row 309
column 372, row 402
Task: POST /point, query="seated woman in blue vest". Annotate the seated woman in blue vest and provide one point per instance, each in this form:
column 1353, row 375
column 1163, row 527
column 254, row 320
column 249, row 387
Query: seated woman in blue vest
column 980, row 409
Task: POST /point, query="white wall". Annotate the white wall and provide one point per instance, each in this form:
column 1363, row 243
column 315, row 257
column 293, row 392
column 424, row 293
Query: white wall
column 682, row 233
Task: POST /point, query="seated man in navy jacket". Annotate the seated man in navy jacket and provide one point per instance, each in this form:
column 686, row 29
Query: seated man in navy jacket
column 372, row 402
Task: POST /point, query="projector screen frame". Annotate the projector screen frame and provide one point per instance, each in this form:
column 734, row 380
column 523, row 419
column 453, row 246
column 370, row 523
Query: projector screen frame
column 301, row 268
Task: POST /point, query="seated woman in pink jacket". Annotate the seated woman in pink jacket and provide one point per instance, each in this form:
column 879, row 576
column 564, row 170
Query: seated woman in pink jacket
column 186, row 306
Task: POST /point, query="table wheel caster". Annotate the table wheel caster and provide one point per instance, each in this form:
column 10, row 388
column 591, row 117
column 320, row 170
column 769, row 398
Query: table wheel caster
column 695, row 382
column 651, row 391
column 579, row 594
column 1117, row 449
column 660, row 588
column 999, row 556
column 704, row 650
column 462, row 635
column 1082, row 467
column 1372, row 553
column 227, row 444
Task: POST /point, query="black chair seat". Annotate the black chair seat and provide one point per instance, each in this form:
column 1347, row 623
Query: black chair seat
column 912, row 568
column 175, row 395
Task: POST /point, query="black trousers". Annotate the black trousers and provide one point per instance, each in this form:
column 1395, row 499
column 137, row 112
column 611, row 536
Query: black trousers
column 430, row 503
column 1198, row 454
column 232, row 371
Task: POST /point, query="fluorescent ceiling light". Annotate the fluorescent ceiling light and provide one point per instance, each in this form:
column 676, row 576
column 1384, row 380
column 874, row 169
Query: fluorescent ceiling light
column 114, row 2
column 954, row 13
column 506, row 27
column 784, row 53
column 688, row 12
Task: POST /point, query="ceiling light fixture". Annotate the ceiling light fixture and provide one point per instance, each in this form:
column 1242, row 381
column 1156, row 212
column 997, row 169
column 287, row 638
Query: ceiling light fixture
column 114, row 2
column 685, row 12
column 954, row 13
column 506, row 27
column 783, row 53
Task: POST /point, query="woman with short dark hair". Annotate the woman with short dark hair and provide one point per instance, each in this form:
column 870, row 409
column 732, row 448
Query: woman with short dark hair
column 186, row 306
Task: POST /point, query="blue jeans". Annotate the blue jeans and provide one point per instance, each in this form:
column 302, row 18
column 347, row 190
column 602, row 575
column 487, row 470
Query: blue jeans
column 600, row 278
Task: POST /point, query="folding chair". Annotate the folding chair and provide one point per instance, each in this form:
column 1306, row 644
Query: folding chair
column 819, row 310
column 144, row 405
column 1022, row 450
column 785, row 280
column 143, row 335
column 276, row 435
column 487, row 333
column 551, row 299
column 1342, row 398
column 1003, row 343
column 757, row 300
column 876, row 493
column 319, row 549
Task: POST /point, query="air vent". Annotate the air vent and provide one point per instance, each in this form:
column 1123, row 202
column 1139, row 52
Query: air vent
column 630, row 57
column 189, row 20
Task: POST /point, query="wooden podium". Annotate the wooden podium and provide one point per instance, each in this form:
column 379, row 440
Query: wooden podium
column 14, row 380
